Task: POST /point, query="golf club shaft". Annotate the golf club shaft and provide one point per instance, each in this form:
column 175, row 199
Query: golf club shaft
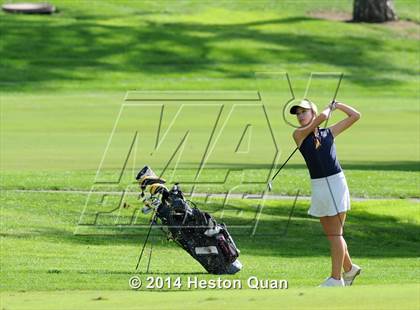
column 335, row 96
column 321, row 164
column 284, row 164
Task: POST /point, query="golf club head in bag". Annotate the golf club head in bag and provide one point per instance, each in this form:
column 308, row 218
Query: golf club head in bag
column 146, row 176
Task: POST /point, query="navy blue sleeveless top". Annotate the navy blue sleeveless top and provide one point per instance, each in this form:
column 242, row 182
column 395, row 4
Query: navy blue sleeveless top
column 322, row 161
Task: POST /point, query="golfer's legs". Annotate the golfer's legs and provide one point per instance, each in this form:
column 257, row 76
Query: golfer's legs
column 347, row 259
column 333, row 228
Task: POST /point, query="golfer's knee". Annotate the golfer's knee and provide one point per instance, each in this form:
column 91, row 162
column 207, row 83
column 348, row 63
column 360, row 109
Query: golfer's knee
column 334, row 237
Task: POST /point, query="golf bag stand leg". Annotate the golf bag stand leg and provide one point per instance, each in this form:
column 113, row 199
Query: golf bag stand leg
column 152, row 222
column 150, row 256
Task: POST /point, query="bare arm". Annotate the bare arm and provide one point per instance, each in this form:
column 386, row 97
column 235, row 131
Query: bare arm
column 301, row 133
column 352, row 116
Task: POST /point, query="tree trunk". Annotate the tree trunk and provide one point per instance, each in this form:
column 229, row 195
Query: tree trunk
column 374, row 11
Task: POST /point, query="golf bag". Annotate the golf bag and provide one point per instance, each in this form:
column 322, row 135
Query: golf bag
column 195, row 231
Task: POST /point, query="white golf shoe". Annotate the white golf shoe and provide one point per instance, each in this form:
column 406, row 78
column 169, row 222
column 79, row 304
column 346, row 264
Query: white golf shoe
column 349, row 276
column 329, row 282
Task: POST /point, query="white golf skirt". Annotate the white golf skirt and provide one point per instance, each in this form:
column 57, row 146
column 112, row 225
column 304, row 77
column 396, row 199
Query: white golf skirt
column 326, row 202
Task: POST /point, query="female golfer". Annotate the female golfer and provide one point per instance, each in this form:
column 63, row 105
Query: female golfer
column 330, row 195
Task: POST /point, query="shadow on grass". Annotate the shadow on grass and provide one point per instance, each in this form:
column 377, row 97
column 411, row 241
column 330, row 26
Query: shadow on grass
column 42, row 49
column 367, row 235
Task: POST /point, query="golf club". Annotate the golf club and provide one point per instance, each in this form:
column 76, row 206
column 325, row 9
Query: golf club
column 320, row 162
column 270, row 183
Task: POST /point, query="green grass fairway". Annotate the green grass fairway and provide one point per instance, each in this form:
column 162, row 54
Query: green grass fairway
column 39, row 250
column 65, row 125
column 60, row 104
column 45, row 145
column 378, row 297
